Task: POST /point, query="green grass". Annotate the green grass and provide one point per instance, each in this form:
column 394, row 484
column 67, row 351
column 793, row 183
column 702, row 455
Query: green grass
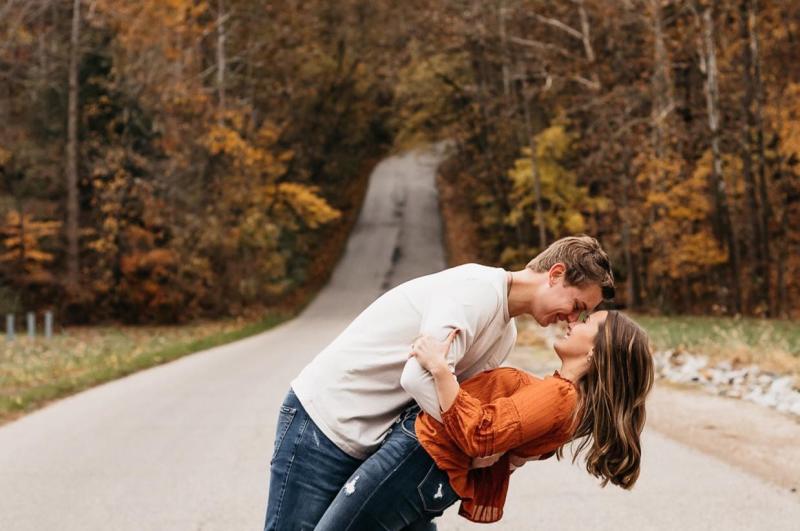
column 722, row 332
column 35, row 372
column 772, row 344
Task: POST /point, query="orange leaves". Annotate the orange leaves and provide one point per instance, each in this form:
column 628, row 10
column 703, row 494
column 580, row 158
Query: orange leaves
column 153, row 263
column 22, row 239
column 5, row 156
column 785, row 117
column 679, row 208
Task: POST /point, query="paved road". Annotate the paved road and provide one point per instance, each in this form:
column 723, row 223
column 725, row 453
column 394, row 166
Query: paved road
column 185, row 446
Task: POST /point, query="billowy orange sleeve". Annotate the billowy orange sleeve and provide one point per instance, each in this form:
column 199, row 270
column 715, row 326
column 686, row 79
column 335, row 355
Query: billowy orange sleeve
column 531, row 412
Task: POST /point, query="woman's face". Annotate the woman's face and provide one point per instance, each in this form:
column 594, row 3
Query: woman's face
column 580, row 336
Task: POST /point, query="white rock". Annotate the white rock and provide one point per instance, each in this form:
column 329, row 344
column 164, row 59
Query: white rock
column 724, row 365
column 782, row 385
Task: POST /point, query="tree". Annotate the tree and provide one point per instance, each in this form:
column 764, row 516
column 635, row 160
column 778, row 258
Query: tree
column 73, row 207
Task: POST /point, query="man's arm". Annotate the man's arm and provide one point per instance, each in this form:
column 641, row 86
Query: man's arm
column 420, row 385
column 467, row 306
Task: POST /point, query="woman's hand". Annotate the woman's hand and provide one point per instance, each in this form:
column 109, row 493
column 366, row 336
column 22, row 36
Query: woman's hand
column 515, row 461
column 431, row 353
column 485, row 462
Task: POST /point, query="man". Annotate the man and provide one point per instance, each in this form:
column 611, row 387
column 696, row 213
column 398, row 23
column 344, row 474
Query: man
column 344, row 402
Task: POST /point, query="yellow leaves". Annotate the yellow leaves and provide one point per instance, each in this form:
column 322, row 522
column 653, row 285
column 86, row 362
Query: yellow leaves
column 310, row 207
column 689, row 254
column 574, row 223
column 656, row 172
column 553, row 143
column 564, row 202
column 256, row 161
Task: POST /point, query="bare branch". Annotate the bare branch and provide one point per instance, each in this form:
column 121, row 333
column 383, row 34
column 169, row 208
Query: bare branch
column 541, row 46
column 591, row 84
column 560, row 25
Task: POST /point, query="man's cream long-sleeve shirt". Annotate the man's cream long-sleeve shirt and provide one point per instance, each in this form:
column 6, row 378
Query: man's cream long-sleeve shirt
column 358, row 385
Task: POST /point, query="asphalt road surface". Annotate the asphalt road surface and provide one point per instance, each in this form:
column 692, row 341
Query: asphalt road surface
column 186, row 446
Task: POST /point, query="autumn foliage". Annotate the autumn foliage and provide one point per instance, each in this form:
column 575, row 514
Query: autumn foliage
column 669, row 129
column 222, row 146
column 222, row 152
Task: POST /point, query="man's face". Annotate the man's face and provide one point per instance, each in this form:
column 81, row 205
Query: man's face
column 558, row 302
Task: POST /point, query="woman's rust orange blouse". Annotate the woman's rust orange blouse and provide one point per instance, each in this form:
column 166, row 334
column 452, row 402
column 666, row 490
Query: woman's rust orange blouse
column 500, row 410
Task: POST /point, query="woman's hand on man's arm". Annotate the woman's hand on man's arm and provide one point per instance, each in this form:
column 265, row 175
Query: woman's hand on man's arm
column 431, row 353
column 432, row 356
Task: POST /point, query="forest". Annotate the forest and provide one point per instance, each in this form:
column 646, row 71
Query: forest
column 164, row 160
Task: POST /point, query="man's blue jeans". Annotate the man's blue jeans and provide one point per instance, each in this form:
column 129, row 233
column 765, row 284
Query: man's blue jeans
column 308, row 471
column 398, row 487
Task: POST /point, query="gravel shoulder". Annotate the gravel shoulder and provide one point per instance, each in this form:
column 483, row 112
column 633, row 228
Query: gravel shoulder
column 754, row 438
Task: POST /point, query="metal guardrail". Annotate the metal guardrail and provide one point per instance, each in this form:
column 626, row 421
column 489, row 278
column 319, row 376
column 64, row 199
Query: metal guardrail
column 30, row 318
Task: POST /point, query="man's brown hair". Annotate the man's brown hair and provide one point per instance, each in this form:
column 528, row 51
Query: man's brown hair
column 585, row 260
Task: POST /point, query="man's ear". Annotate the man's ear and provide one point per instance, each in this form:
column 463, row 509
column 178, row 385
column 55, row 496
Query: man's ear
column 557, row 271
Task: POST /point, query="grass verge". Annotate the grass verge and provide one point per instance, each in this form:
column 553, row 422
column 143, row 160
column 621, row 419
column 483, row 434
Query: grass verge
column 773, row 345
column 36, row 372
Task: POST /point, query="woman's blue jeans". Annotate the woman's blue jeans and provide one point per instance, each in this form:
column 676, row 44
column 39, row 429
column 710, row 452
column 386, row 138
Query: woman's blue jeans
column 313, row 481
column 398, row 487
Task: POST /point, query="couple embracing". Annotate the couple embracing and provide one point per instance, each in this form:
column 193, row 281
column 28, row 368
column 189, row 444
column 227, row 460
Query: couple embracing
column 408, row 410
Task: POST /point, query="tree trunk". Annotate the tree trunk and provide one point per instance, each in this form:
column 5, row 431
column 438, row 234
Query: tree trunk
column 662, row 82
column 587, row 44
column 501, row 14
column 479, row 65
column 73, row 258
column 221, row 65
column 718, row 187
column 630, row 289
column 756, row 232
column 766, row 209
column 661, row 107
column 537, row 181
column 781, row 309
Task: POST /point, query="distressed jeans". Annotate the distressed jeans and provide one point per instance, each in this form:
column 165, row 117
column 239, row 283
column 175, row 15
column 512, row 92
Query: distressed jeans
column 306, row 471
column 398, row 487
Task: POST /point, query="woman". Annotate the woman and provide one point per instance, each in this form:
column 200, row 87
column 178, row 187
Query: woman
column 508, row 416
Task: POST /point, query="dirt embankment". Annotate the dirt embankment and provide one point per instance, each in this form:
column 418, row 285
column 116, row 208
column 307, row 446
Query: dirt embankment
column 752, row 437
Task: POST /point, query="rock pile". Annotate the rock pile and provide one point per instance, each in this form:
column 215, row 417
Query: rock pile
column 723, row 378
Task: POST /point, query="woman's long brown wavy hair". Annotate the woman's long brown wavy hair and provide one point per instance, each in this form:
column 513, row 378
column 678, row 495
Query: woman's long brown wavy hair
column 610, row 415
